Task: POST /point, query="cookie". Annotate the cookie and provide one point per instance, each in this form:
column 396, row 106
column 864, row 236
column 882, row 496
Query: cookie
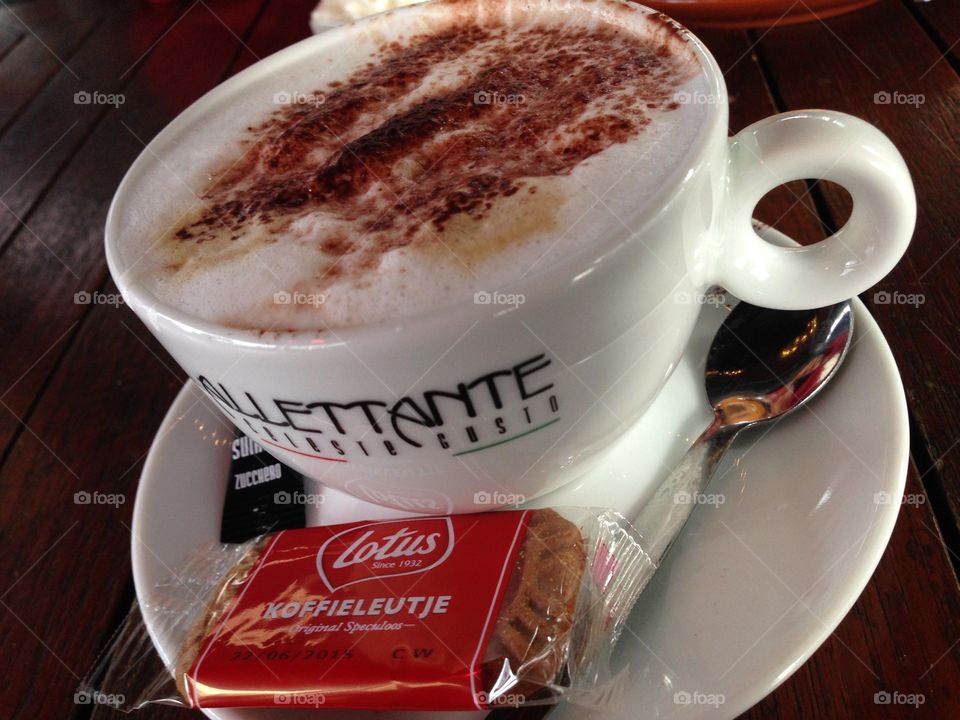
column 531, row 637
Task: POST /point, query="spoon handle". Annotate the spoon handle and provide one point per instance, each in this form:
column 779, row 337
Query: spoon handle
column 661, row 519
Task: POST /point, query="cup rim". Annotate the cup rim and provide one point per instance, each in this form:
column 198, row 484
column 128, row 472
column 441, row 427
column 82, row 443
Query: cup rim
column 154, row 312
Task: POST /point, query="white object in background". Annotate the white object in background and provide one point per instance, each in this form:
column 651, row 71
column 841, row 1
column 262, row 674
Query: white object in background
column 332, row 13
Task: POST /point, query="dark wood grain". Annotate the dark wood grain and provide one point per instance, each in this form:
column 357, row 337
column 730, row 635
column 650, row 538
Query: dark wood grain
column 273, row 31
column 49, row 36
column 91, row 425
column 67, row 562
column 281, row 25
column 49, row 130
column 896, row 638
column 844, row 68
column 865, row 655
column 35, row 149
column 61, row 240
column 942, row 21
column 11, row 33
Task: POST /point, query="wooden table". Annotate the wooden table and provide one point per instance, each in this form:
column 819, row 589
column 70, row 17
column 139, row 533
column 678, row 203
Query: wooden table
column 84, row 386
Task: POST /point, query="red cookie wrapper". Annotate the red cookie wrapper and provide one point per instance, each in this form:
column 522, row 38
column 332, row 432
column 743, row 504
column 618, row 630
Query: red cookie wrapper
column 426, row 613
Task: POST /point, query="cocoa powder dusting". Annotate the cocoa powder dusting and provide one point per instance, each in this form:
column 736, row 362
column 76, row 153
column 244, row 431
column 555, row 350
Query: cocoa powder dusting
column 398, row 163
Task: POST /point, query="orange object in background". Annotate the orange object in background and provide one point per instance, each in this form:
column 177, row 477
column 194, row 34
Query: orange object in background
column 753, row 13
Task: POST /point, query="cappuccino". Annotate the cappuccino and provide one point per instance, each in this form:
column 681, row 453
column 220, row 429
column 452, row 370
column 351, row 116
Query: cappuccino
column 417, row 160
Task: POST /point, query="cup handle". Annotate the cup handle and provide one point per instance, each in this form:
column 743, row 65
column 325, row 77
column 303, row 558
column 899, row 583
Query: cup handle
column 815, row 144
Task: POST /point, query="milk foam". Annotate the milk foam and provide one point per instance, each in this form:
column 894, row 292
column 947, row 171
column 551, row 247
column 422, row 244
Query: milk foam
column 276, row 278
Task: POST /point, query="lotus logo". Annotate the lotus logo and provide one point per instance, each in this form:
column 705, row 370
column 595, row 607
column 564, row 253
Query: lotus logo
column 384, row 549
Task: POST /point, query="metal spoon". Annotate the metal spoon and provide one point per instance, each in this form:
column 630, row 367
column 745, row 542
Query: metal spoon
column 762, row 364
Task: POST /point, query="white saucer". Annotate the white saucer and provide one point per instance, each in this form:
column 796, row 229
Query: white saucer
column 749, row 591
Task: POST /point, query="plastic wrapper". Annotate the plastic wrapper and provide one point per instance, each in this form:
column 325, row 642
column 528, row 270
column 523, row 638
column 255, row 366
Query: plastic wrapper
column 428, row 613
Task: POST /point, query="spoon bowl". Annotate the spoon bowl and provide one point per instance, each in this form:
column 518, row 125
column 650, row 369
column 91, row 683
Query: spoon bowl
column 762, row 364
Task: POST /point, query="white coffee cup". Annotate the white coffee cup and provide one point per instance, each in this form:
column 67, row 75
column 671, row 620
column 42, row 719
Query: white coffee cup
column 483, row 404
